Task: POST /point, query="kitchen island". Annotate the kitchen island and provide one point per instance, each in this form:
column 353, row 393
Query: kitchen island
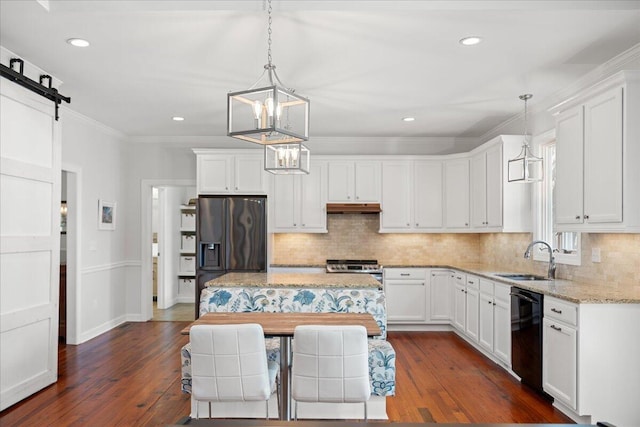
column 295, row 280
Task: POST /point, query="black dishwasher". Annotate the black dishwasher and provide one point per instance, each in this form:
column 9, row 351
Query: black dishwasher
column 526, row 336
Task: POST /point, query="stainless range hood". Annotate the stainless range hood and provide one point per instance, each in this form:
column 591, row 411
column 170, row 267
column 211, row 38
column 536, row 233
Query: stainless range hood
column 353, row 208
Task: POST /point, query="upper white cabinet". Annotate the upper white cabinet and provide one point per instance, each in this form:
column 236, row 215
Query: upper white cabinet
column 456, row 193
column 221, row 172
column 597, row 185
column 353, row 181
column 411, row 196
column 299, row 201
column 497, row 205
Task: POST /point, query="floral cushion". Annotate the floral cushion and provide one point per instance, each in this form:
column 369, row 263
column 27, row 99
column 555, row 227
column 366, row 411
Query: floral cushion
column 382, row 367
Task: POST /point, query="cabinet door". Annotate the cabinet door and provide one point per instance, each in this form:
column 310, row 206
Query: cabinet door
column 472, row 325
column 456, row 193
column 460, row 311
column 559, row 362
column 284, row 203
column 427, row 194
column 367, row 182
column 213, row 174
column 248, row 175
column 568, row 189
column 440, row 295
column 312, row 199
column 479, row 190
column 406, row 300
column 502, row 323
column 396, row 195
column 485, row 331
column 603, row 158
column 340, row 179
column 494, row 186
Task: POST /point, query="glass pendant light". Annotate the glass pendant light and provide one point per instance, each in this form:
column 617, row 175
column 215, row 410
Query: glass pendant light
column 268, row 112
column 286, row 159
column 525, row 167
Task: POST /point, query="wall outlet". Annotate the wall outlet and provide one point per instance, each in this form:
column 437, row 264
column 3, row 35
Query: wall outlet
column 595, row 254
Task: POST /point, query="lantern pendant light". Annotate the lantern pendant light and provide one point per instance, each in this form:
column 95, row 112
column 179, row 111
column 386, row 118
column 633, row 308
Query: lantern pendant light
column 526, row 167
column 268, row 112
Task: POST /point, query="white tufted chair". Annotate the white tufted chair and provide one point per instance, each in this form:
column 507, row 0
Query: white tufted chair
column 229, row 364
column 330, row 364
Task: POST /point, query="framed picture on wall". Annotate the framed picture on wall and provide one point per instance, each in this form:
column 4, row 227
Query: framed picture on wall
column 106, row 215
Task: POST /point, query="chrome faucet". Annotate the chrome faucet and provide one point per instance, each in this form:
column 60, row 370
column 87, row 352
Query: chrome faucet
column 551, row 273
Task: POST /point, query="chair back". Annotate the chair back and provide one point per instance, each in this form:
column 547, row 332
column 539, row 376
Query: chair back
column 229, row 363
column 330, row 364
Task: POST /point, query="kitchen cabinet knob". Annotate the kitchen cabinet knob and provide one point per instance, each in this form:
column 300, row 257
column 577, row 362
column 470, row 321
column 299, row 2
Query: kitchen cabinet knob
column 226, row 188
column 577, row 216
column 408, row 225
column 304, row 225
column 236, row 188
column 556, row 328
column 586, row 217
column 494, row 303
column 466, row 224
column 555, row 310
column 417, row 225
column 357, row 197
column 489, row 302
column 348, row 197
column 294, row 224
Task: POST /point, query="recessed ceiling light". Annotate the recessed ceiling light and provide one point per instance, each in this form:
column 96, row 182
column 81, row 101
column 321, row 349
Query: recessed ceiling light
column 471, row 40
column 408, row 119
column 177, row 119
column 78, row 42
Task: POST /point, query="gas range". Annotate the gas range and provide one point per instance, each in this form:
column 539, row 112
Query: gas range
column 365, row 266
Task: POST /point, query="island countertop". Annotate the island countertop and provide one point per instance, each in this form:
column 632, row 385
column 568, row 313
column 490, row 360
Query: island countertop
column 295, row 280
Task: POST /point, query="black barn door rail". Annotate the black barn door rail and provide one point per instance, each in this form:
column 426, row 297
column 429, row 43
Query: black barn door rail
column 34, row 86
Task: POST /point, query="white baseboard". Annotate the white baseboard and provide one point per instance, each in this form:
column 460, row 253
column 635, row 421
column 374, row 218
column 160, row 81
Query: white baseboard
column 101, row 329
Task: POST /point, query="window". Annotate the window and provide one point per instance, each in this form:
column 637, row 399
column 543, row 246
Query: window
column 566, row 245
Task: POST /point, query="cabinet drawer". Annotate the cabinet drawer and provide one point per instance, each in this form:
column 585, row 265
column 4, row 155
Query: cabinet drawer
column 188, row 264
column 561, row 310
column 188, row 243
column 185, row 284
column 188, row 221
column 405, row 273
column 486, row 287
column 502, row 292
column 473, row 282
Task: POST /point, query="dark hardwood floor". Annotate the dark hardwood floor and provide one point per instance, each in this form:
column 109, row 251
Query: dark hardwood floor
column 130, row 376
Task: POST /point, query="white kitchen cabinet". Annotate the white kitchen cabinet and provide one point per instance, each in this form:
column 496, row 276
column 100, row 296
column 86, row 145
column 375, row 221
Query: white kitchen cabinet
column 396, row 196
column 406, row 291
column 485, row 330
column 460, row 301
column 502, row 323
column 440, row 298
column 354, row 181
column 411, row 196
column 221, row 172
column 299, row 203
column 456, row 194
column 497, row 205
column 472, row 316
column 597, row 186
column 559, row 351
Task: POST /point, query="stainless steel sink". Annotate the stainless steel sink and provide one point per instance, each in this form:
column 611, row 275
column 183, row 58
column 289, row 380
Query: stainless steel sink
column 520, row 276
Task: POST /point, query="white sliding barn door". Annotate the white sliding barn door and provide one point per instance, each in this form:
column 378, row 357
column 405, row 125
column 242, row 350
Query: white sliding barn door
column 29, row 242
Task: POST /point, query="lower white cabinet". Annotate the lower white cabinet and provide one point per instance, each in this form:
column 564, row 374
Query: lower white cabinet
column 441, row 295
column 495, row 320
column 560, row 351
column 459, row 300
column 406, row 291
column 472, row 318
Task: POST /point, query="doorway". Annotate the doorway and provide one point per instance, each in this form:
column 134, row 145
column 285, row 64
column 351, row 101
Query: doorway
column 70, row 231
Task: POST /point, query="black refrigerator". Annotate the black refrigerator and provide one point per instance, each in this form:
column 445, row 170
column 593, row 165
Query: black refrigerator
column 231, row 235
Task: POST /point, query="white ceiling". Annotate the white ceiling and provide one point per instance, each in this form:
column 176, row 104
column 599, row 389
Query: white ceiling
column 363, row 64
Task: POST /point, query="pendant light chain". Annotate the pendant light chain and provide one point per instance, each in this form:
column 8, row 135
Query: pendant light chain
column 269, row 35
column 525, row 98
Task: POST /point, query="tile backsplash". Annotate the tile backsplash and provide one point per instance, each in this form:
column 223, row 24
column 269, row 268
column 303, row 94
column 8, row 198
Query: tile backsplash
column 356, row 236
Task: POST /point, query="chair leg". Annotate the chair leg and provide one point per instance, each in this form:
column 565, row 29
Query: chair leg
column 197, row 409
column 295, row 412
column 267, row 402
column 365, row 411
column 210, row 414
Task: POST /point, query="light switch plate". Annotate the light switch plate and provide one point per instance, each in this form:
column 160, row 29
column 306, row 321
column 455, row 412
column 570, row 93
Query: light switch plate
column 595, row 254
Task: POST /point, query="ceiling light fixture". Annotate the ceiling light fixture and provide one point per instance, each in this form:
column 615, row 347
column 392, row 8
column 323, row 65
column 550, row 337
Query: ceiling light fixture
column 470, row 41
column 286, row 159
column 268, row 112
column 526, row 167
column 78, row 42
column 177, row 119
column 408, row 119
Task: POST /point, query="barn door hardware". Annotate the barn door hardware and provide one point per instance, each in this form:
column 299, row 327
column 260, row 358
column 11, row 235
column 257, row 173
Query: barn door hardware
column 34, row 86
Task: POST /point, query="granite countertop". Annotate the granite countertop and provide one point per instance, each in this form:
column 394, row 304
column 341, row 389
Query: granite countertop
column 568, row 290
column 298, row 280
